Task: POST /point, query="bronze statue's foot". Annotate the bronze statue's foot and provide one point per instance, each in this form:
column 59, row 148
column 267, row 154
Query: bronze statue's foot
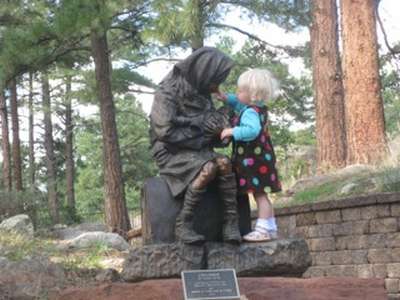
column 186, row 235
column 231, row 233
column 233, row 239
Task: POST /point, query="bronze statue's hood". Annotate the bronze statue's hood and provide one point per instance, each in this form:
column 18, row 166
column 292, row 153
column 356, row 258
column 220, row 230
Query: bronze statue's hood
column 204, row 67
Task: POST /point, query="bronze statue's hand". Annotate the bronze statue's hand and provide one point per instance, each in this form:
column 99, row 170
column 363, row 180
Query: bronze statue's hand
column 221, row 96
column 227, row 132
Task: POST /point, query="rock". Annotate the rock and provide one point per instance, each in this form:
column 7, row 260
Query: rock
column 162, row 261
column 108, row 275
column 91, row 227
column 3, row 261
column 279, row 258
column 114, row 262
column 160, row 210
column 284, row 257
column 347, row 172
column 20, row 224
column 250, row 288
column 67, row 233
column 88, row 239
column 305, row 183
column 356, row 169
column 59, row 226
column 348, row 188
column 29, row 278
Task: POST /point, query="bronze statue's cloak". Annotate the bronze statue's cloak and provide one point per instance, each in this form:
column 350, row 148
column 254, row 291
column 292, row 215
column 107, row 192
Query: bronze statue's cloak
column 179, row 143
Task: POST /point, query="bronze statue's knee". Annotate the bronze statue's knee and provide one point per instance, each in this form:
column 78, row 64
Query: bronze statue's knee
column 224, row 165
column 207, row 174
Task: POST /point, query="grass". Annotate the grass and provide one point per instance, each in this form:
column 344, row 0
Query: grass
column 323, row 191
column 382, row 180
column 390, row 180
column 17, row 247
column 89, row 258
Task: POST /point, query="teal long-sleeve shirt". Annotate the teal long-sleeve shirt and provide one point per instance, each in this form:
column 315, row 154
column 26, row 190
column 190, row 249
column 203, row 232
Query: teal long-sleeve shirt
column 249, row 124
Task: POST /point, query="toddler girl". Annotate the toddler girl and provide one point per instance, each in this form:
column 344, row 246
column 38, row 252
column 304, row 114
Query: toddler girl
column 253, row 154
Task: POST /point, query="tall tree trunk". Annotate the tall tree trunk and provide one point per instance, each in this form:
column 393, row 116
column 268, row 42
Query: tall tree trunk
column 31, row 135
column 197, row 40
column 116, row 213
column 328, row 86
column 366, row 141
column 49, row 147
column 5, row 143
column 16, row 144
column 69, row 155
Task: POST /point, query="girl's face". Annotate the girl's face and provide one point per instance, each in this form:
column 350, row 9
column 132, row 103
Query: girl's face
column 243, row 95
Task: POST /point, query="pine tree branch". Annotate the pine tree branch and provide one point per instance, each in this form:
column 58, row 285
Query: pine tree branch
column 140, row 91
column 392, row 50
column 145, row 63
column 293, row 51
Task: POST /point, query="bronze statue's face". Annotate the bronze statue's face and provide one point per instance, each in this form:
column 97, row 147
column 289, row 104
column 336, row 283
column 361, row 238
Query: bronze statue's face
column 205, row 69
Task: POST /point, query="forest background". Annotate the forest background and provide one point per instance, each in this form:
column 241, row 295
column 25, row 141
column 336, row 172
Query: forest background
column 78, row 78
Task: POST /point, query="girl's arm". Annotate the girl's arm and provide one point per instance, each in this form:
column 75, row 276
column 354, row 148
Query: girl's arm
column 249, row 128
column 233, row 101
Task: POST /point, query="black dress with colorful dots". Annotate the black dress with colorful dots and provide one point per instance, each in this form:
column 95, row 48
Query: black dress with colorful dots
column 254, row 161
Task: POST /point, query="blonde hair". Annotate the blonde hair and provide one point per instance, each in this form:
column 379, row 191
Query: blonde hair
column 261, row 84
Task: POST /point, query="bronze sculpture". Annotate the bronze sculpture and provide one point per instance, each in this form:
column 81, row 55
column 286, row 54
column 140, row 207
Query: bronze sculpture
column 184, row 129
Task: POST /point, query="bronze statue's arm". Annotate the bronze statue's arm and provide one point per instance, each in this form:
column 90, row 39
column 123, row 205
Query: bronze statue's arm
column 170, row 128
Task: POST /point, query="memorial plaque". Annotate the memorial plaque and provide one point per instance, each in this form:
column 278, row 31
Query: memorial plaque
column 210, row 285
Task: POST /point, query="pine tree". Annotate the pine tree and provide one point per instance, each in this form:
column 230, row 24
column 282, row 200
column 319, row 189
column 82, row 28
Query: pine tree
column 365, row 123
column 49, row 148
column 16, row 144
column 5, row 142
column 31, row 141
column 327, row 77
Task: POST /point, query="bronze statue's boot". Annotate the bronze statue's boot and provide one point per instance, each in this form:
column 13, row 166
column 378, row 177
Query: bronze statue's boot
column 184, row 222
column 227, row 191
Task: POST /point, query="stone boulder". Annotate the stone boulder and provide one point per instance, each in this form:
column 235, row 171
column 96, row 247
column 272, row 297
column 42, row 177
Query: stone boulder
column 21, row 224
column 250, row 288
column 108, row 275
column 275, row 258
column 278, row 258
column 162, row 261
column 70, row 232
column 313, row 181
column 88, row 239
column 29, row 278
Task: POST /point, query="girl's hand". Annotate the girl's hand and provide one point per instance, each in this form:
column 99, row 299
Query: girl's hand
column 220, row 96
column 227, row 132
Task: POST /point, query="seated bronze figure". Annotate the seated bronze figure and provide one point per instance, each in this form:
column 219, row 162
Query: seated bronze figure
column 185, row 128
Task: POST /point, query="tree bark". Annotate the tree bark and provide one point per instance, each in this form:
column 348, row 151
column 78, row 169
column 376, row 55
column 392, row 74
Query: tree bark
column 16, row 144
column 31, row 135
column 69, row 154
column 49, row 148
column 116, row 213
column 5, row 143
column 328, row 87
column 197, row 40
column 365, row 122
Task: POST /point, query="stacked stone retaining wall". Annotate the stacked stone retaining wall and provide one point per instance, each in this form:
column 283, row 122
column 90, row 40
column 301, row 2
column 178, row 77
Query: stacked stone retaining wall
column 356, row 237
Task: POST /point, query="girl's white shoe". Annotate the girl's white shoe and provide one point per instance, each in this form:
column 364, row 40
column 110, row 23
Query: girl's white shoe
column 257, row 236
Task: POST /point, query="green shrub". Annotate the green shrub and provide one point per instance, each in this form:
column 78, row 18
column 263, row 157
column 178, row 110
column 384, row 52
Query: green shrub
column 389, row 180
column 25, row 202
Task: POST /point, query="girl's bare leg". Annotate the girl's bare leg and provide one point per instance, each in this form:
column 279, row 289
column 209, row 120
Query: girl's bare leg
column 264, row 205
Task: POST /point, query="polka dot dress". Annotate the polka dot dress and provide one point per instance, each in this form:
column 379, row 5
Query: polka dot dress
column 254, row 161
